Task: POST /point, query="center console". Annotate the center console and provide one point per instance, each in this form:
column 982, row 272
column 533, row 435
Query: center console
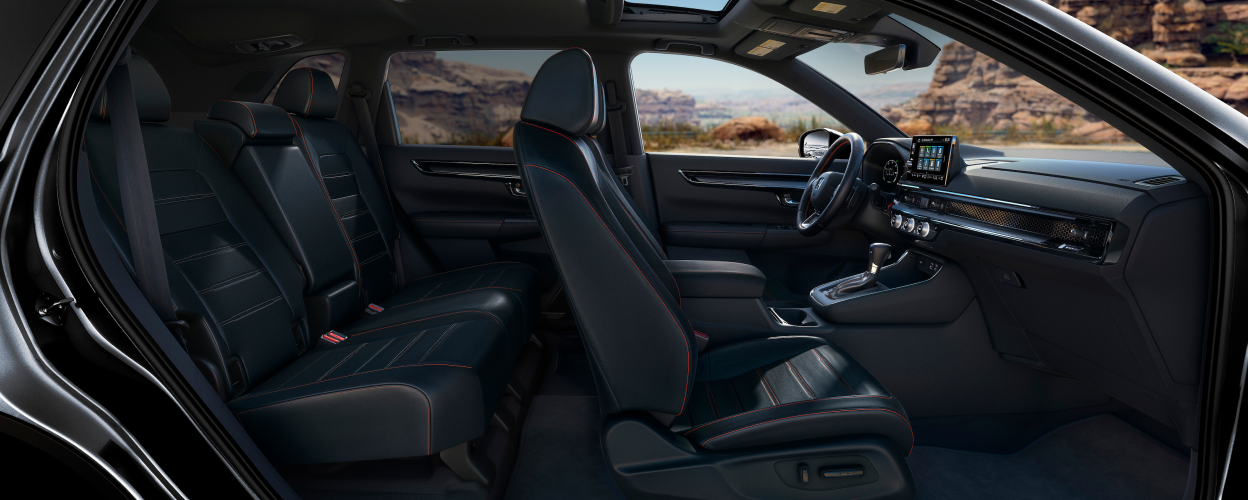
column 917, row 288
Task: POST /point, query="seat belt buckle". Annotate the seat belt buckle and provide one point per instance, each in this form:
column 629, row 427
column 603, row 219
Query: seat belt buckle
column 373, row 309
column 331, row 338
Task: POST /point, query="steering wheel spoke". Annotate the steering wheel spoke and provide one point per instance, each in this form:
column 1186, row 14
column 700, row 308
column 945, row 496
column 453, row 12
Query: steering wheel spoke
column 827, row 192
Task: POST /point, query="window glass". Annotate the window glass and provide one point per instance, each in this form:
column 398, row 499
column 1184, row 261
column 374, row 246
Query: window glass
column 461, row 97
column 689, row 104
column 982, row 101
column 707, row 5
column 329, row 63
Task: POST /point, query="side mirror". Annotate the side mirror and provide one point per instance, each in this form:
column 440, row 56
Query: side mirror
column 885, row 60
column 814, row 143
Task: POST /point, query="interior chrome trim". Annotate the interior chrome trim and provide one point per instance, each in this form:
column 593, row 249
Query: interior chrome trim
column 782, row 322
column 779, row 180
column 424, row 168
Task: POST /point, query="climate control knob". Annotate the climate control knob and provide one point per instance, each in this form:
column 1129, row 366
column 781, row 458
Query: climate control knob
column 924, row 229
column 908, row 225
column 896, row 222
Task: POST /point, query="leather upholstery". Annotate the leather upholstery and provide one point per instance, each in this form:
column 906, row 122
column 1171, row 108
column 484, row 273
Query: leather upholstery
column 150, row 95
column 572, row 103
column 785, row 389
column 307, row 92
column 258, row 121
column 331, row 228
column 717, row 279
column 642, row 348
column 410, row 381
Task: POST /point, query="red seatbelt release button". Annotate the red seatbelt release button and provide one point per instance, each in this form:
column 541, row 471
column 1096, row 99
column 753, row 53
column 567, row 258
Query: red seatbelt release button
column 373, row 309
column 333, row 337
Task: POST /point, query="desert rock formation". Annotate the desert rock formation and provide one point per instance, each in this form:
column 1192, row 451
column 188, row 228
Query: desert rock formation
column 748, row 128
column 450, row 101
column 654, row 106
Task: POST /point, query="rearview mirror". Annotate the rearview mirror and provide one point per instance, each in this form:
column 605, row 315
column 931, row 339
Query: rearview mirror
column 885, row 60
column 813, row 143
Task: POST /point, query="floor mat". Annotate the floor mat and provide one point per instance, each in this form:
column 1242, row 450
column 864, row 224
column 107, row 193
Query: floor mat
column 1098, row 458
column 560, row 455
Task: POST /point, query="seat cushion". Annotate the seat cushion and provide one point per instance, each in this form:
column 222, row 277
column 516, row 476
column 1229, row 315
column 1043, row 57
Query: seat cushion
column 507, row 290
column 389, row 393
column 783, row 389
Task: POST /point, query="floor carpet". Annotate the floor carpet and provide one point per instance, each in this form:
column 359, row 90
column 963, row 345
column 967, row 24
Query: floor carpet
column 1098, row 458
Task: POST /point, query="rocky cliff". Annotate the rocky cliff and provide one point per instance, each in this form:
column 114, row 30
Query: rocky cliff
column 441, row 101
column 654, row 106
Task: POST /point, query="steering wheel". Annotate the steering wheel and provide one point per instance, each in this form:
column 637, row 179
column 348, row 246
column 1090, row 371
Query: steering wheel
column 828, row 192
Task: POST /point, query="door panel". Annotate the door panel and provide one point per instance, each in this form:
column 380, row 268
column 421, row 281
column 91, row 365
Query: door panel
column 468, row 204
column 741, row 208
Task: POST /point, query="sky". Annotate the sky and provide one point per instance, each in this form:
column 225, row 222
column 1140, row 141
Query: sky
column 711, row 5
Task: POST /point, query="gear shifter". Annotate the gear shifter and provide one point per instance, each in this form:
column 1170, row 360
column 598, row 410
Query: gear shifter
column 878, row 253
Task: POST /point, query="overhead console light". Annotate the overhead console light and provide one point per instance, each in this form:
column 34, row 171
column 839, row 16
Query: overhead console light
column 846, row 11
column 804, row 31
column 762, row 45
column 266, row 45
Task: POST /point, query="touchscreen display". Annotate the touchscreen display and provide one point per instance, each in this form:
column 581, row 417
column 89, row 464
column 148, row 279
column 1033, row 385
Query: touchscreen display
column 930, row 156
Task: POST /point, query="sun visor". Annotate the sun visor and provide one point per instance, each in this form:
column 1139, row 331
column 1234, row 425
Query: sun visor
column 770, row 46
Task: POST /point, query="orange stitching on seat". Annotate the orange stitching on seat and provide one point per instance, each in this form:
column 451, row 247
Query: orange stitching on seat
column 255, row 129
column 359, row 273
column 810, row 391
column 903, row 419
column 770, row 395
column 500, row 323
column 351, row 375
column 685, row 339
column 428, row 407
column 783, row 405
column 828, row 365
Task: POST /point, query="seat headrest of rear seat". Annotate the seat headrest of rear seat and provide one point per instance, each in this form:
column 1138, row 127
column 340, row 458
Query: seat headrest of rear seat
column 150, row 95
column 565, row 95
column 258, row 121
column 307, row 92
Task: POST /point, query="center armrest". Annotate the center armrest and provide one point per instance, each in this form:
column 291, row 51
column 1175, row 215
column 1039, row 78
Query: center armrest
column 717, row 279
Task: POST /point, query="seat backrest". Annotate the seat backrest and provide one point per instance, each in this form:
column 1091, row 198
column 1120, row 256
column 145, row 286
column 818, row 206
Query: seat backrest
column 229, row 272
column 257, row 141
column 641, row 345
column 310, row 97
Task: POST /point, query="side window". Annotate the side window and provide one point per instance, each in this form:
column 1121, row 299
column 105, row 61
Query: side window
column 461, row 97
column 689, row 104
column 329, row 63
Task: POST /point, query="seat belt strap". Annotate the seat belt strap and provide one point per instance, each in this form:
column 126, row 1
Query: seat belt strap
column 367, row 138
column 619, row 143
column 137, row 202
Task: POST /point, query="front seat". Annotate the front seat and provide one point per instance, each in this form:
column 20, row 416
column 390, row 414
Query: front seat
column 792, row 417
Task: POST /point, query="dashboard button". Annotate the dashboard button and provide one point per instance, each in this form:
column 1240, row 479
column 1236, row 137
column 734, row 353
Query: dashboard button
column 925, row 229
column 908, row 226
column 896, row 222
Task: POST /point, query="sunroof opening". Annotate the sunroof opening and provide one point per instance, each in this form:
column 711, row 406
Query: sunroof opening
column 704, row 5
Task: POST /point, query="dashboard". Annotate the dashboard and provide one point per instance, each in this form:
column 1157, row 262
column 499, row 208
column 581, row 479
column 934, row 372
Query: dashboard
column 1096, row 270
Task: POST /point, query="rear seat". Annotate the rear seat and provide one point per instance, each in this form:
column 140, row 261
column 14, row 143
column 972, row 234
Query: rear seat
column 341, row 278
column 311, row 99
column 396, row 387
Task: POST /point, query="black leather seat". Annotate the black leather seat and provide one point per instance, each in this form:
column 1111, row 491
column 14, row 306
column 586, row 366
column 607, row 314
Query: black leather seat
column 339, row 245
column 397, row 386
column 783, row 391
column 310, row 97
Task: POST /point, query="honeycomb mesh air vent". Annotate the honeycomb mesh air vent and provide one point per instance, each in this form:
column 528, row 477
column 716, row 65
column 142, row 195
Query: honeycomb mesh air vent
column 1059, row 229
column 1160, row 181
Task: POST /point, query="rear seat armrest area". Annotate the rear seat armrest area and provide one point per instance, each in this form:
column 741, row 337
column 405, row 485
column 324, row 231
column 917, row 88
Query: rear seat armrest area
column 717, row 279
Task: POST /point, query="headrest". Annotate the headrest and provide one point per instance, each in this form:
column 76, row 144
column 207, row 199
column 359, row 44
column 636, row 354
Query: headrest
column 307, row 92
column 150, row 95
column 565, row 95
column 258, row 121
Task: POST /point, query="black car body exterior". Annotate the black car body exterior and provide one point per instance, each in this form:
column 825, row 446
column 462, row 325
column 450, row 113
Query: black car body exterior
column 412, row 249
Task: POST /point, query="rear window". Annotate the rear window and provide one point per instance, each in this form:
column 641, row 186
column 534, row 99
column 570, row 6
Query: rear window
column 468, row 98
column 329, row 63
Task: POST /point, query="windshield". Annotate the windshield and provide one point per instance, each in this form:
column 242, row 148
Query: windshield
column 983, row 102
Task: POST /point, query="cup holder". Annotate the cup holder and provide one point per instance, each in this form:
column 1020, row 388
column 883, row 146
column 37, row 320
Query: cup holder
column 792, row 316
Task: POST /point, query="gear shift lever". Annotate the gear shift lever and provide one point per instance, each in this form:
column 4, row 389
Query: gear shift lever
column 878, row 253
